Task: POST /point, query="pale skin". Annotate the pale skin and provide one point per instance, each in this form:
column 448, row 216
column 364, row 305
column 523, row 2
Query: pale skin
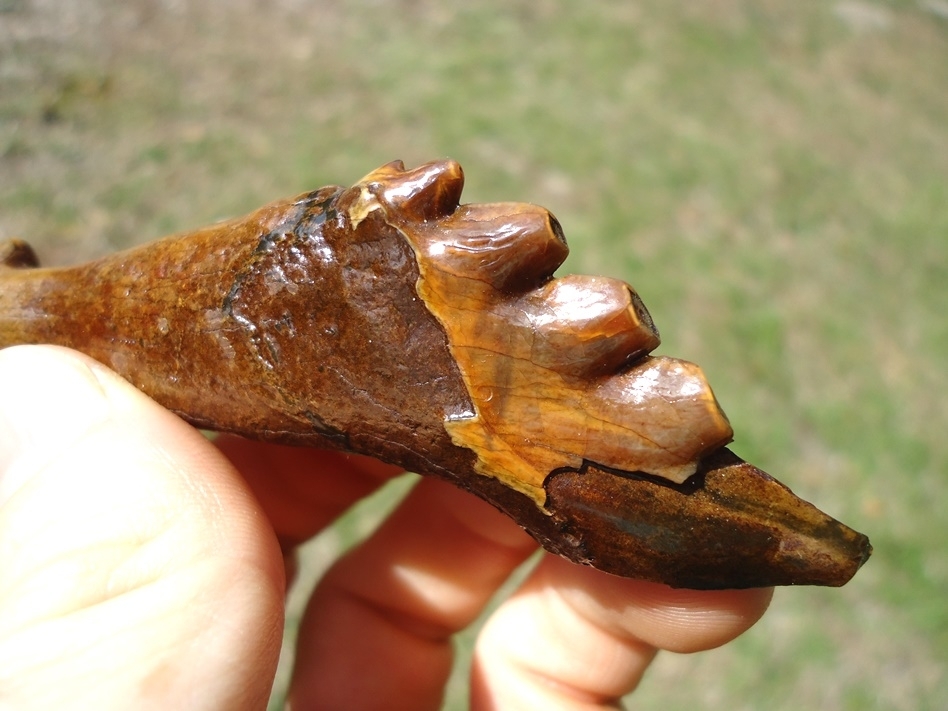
column 142, row 566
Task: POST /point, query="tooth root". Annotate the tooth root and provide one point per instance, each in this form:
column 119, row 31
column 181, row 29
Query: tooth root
column 732, row 526
column 589, row 326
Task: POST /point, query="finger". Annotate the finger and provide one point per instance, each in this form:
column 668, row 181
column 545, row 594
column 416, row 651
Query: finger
column 303, row 490
column 575, row 638
column 136, row 570
column 377, row 632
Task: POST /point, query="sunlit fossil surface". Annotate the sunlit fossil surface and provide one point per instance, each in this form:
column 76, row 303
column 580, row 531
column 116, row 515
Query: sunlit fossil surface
column 390, row 320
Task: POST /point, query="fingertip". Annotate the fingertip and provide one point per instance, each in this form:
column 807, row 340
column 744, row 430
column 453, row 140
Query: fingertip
column 28, row 374
column 74, row 421
column 580, row 638
column 673, row 619
column 44, row 391
column 135, row 538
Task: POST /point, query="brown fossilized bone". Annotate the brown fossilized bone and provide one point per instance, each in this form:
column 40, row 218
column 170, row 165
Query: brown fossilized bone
column 390, row 320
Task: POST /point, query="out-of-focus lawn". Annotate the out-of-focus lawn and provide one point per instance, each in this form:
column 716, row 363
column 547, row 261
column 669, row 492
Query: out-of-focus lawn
column 771, row 176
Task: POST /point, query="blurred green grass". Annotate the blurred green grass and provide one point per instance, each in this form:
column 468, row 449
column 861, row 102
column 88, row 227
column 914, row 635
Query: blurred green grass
column 771, row 176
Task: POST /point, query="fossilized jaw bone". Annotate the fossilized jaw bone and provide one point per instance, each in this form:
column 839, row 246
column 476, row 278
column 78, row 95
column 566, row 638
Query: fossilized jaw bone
column 387, row 319
column 557, row 369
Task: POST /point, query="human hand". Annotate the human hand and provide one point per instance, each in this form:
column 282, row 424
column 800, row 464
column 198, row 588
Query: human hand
column 141, row 567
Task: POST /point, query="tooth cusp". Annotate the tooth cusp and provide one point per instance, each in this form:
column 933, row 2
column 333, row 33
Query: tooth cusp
column 589, row 326
column 510, row 248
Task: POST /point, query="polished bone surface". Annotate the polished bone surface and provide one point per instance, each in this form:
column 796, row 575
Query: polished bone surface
column 391, row 320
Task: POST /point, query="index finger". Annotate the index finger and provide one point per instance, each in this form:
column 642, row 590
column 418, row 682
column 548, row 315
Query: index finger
column 576, row 638
column 302, row 490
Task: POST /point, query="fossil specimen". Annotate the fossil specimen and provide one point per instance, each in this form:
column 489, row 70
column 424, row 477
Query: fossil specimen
column 389, row 319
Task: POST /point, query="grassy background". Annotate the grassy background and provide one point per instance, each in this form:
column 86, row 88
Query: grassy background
column 772, row 176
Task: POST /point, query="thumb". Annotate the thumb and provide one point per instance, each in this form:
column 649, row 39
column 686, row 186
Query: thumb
column 136, row 570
